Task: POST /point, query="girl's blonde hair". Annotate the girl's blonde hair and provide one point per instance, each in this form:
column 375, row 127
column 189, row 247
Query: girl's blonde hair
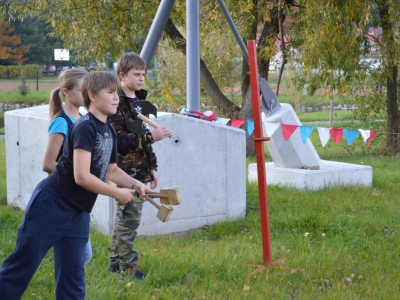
column 68, row 80
column 95, row 81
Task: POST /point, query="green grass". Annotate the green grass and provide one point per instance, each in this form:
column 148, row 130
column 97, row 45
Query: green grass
column 3, row 182
column 350, row 252
column 33, row 97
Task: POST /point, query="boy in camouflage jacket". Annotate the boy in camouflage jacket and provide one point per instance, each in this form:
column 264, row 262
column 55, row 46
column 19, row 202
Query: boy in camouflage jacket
column 135, row 157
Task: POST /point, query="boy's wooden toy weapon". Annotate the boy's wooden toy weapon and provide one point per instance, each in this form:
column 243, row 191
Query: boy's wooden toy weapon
column 164, row 211
column 148, row 121
column 147, row 108
column 141, row 108
column 169, row 196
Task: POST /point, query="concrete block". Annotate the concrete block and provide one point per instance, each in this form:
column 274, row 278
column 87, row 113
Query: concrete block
column 330, row 174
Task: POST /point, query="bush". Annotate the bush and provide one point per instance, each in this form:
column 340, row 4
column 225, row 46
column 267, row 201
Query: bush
column 13, row 72
column 23, row 89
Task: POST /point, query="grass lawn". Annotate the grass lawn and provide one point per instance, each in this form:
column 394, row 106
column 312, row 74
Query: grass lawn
column 33, row 97
column 334, row 243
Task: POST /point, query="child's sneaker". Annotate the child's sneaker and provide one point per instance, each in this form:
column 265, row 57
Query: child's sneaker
column 113, row 269
column 134, row 271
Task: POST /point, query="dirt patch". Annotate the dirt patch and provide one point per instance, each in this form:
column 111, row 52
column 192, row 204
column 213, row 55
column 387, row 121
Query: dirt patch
column 32, row 85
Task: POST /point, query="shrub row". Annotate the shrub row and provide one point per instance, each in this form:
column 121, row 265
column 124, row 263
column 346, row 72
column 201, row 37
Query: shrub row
column 13, row 72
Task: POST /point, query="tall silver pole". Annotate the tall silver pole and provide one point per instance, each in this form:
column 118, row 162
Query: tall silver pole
column 234, row 29
column 193, row 54
column 156, row 30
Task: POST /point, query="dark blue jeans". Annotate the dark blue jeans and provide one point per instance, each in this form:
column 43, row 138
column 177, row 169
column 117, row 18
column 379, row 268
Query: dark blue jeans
column 49, row 221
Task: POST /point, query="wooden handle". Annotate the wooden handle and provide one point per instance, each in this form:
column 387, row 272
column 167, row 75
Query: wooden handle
column 152, row 202
column 157, row 195
column 148, row 121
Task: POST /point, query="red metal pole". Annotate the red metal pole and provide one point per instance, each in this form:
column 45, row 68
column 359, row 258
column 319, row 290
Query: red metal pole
column 260, row 154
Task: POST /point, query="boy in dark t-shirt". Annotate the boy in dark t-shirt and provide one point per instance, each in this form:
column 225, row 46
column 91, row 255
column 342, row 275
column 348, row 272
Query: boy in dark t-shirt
column 58, row 211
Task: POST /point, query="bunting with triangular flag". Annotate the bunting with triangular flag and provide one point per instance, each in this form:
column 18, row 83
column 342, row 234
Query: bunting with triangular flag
column 270, row 128
column 350, row 135
column 250, row 127
column 288, row 130
column 237, row 123
column 323, row 135
column 371, row 137
column 336, row 134
column 305, row 132
column 364, row 134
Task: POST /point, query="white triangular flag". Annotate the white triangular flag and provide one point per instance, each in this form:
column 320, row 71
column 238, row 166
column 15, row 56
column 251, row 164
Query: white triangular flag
column 269, row 128
column 222, row 120
column 365, row 134
column 323, row 135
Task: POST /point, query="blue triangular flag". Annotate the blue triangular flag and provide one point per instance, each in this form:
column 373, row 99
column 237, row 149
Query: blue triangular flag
column 250, row 127
column 305, row 132
column 350, row 135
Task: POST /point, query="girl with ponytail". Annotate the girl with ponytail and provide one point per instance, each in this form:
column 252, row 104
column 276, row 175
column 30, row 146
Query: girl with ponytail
column 62, row 118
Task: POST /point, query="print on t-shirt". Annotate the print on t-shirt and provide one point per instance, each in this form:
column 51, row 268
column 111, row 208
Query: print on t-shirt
column 102, row 152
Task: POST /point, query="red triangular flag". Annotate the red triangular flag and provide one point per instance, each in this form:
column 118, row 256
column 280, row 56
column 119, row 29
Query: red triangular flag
column 237, row 123
column 212, row 116
column 336, row 134
column 372, row 134
column 288, row 130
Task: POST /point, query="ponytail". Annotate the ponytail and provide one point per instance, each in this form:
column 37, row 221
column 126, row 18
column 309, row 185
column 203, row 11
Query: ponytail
column 55, row 102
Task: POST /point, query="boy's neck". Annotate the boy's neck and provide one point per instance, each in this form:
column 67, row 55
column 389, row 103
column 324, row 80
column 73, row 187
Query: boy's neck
column 128, row 92
column 98, row 114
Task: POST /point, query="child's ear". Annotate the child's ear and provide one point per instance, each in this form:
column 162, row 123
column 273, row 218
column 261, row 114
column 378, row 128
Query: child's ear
column 64, row 91
column 91, row 96
column 121, row 75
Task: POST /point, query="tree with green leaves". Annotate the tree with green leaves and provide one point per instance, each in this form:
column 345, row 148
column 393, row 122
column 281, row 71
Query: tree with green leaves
column 332, row 36
column 93, row 29
column 38, row 35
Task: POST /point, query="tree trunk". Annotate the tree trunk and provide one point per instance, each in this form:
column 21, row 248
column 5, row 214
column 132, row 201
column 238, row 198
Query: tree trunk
column 392, row 112
column 390, row 54
column 247, row 114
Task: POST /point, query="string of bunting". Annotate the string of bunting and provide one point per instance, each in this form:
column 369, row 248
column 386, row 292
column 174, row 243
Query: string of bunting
column 287, row 130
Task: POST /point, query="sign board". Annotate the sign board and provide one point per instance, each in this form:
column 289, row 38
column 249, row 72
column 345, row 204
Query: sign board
column 61, row 54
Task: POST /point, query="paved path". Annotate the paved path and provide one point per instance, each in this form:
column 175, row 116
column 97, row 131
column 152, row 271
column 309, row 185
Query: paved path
column 2, row 137
column 14, row 85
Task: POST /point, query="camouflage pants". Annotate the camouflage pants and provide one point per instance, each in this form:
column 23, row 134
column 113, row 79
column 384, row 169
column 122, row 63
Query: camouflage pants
column 127, row 220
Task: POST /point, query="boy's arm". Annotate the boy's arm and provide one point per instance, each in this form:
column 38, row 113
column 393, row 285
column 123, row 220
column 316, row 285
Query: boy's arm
column 119, row 177
column 85, row 179
column 127, row 141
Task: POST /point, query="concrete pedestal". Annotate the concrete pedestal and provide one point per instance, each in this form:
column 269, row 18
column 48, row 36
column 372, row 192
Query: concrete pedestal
column 291, row 153
column 297, row 165
column 206, row 161
column 330, row 174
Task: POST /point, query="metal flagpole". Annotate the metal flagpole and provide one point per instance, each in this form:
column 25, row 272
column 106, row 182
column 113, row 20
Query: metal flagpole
column 260, row 153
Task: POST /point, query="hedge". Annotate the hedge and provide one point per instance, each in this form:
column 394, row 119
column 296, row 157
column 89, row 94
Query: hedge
column 13, row 72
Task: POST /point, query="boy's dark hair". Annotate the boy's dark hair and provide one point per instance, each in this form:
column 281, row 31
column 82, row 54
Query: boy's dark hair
column 95, row 81
column 130, row 60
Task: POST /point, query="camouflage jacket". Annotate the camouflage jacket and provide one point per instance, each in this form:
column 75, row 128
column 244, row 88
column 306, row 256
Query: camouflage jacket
column 135, row 153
